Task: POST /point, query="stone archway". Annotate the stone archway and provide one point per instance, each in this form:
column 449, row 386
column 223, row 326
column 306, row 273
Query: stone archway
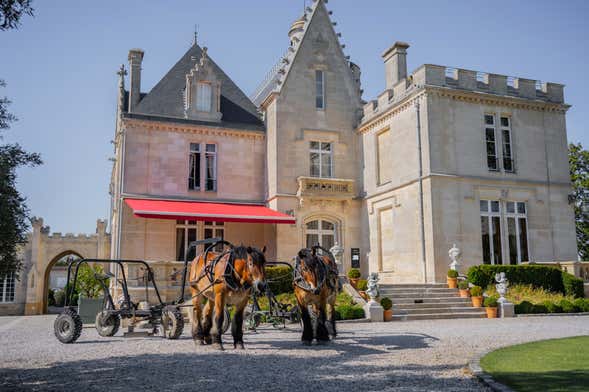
column 41, row 253
column 48, row 273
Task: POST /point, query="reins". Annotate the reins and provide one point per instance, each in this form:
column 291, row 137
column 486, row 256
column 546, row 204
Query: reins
column 300, row 281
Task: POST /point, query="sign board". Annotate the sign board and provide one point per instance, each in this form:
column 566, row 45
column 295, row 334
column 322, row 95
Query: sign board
column 355, row 257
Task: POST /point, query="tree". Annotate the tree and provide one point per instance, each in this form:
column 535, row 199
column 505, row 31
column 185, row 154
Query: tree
column 14, row 214
column 11, row 11
column 579, row 167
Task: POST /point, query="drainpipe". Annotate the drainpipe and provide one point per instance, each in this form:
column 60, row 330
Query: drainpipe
column 420, row 187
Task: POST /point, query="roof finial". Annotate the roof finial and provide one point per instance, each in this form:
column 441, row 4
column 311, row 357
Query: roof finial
column 195, row 35
column 122, row 72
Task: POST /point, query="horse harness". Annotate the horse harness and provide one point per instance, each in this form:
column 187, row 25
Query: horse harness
column 300, row 282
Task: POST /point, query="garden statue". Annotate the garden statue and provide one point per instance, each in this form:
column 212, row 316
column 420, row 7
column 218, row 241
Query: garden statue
column 372, row 289
column 454, row 254
column 337, row 252
column 501, row 286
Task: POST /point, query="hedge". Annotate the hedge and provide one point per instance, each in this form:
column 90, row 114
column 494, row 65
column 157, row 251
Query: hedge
column 563, row 306
column 349, row 312
column 547, row 277
column 279, row 279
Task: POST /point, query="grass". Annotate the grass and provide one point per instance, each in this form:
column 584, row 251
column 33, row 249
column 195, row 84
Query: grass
column 521, row 292
column 547, row 366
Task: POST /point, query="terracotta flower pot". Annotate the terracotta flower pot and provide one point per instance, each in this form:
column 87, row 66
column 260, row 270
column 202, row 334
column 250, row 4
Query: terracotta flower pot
column 388, row 315
column 477, row 302
column 452, row 283
column 491, row 312
column 354, row 282
column 464, row 293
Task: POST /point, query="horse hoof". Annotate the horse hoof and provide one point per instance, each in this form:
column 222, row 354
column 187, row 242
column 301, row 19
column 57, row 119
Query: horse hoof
column 199, row 342
column 218, row 346
column 239, row 346
column 322, row 342
column 306, row 342
column 208, row 340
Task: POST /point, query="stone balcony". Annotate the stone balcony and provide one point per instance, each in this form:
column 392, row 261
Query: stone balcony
column 326, row 188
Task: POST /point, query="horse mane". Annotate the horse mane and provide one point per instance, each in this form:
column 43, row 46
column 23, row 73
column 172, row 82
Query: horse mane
column 241, row 252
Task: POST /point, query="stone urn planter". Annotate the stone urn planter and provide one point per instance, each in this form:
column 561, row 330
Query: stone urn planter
column 476, row 296
column 491, row 306
column 452, row 279
column 387, row 306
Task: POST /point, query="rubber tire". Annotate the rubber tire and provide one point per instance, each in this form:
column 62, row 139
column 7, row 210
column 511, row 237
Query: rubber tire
column 107, row 326
column 174, row 330
column 68, row 326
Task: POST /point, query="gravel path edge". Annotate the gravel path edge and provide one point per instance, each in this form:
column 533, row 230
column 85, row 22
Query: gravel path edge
column 474, row 365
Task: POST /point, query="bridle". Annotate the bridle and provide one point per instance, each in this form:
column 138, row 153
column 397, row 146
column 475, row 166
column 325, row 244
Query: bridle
column 320, row 270
column 232, row 279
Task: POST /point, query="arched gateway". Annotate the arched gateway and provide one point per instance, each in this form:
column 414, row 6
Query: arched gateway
column 40, row 254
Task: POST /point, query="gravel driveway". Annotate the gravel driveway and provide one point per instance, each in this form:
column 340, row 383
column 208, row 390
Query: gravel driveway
column 400, row 356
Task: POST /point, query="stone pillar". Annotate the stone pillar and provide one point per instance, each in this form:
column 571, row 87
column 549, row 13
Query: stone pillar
column 395, row 62
column 135, row 60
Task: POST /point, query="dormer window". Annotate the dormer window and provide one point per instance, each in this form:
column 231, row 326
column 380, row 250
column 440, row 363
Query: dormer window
column 203, row 97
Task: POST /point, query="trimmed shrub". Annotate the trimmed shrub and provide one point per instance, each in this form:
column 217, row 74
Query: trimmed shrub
column 51, row 298
column 572, row 285
column 582, row 304
column 349, row 312
column 524, row 307
column 279, row 279
column 362, row 285
column 354, row 273
column 491, row 301
column 544, row 276
column 551, row 307
column 567, row 306
column 538, row 309
column 463, row 285
column 386, row 303
column 476, row 291
column 452, row 273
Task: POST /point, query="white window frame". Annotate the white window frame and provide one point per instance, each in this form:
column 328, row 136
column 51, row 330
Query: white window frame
column 517, row 216
column 204, row 96
column 186, row 226
column 495, row 141
column 319, row 89
column 503, row 143
column 320, row 232
column 195, row 148
column 320, row 152
column 206, row 167
column 215, row 228
column 490, row 215
column 8, row 287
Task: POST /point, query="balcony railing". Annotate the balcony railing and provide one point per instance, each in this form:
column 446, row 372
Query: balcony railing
column 326, row 188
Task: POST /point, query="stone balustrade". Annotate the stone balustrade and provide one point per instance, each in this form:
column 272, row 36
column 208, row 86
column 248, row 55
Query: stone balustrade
column 326, row 188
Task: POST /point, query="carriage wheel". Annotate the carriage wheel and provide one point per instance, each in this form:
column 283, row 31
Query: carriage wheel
column 172, row 323
column 68, row 326
column 107, row 325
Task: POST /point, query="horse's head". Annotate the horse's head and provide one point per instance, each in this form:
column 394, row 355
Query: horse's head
column 309, row 268
column 254, row 273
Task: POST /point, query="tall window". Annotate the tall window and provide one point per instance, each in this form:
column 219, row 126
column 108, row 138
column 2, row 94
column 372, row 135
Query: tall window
column 517, row 231
column 320, row 232
column 203, row 97
column 491, row 231
column 383, row 149
column 491, row 142
column 185, row 234
column 321, row 159
column 319, row 89
column 211, row 167
column 215, row 230
column 508, row 165
column 7, row 288
column 194, row 169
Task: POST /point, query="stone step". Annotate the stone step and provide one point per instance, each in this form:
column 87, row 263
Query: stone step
column 461, row 310
column 393, row 291
column 430, row 300
column 422, row 295
column 414, row 286
column 447, row 304
column 436, row 316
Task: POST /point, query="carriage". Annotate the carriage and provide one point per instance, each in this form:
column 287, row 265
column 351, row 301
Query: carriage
column 163, row 317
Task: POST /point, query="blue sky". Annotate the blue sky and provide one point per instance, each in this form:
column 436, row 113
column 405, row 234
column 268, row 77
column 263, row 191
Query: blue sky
column 60, row 67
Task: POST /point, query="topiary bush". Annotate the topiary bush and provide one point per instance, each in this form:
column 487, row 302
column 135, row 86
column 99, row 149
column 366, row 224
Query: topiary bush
column 538, row 309
column 362, row 285
column 476, row 291
column 524, row 307
column 491, row 301
column 463, row 285
column 279, row 279
column 552, row 307
column 567, row 306
column 582, row 304
column 572, row 285
column 453, row 274
column 386, row 303
column 349, row 312
column 354, row 273
column 544, row 276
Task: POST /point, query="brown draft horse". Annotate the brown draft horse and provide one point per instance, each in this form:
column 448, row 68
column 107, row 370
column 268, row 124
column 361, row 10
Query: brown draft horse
column 316, row 285
column 224, row 278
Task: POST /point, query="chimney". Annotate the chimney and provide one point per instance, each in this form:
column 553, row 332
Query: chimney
column 395, row 63
column 135, row 59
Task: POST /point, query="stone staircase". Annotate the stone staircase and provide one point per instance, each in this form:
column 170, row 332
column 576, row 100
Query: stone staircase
column 428, row 302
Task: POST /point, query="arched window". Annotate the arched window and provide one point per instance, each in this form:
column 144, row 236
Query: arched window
column 322, row 232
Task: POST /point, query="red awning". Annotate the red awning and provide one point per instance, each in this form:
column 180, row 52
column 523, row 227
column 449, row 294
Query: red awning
column 195, row 210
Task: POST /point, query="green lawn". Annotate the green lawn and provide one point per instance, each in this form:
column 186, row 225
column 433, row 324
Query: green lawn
column 549, row 365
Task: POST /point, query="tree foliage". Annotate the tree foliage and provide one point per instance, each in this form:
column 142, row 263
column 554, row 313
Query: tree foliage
column 579, row 167
column 11, row 11
column 87, row 285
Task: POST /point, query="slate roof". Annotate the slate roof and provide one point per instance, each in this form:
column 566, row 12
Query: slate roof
column 166, row 99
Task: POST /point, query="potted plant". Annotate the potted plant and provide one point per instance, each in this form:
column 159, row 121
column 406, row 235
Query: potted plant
column 491, row 306
column 463, row 289
column 452, row 279
column 476, row 295
column 361, row 286
column 354, row 276
column 387, row 305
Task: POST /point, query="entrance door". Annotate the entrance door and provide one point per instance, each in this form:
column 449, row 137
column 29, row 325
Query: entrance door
column 320, row 232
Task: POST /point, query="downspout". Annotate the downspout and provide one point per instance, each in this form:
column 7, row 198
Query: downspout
column 420, row 187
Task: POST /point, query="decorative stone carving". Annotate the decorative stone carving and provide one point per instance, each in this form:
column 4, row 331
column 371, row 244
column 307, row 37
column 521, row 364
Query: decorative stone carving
column 202, row 72
column 454, row 253
column 501, row 286
column 337, row 251
column 372, row 289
